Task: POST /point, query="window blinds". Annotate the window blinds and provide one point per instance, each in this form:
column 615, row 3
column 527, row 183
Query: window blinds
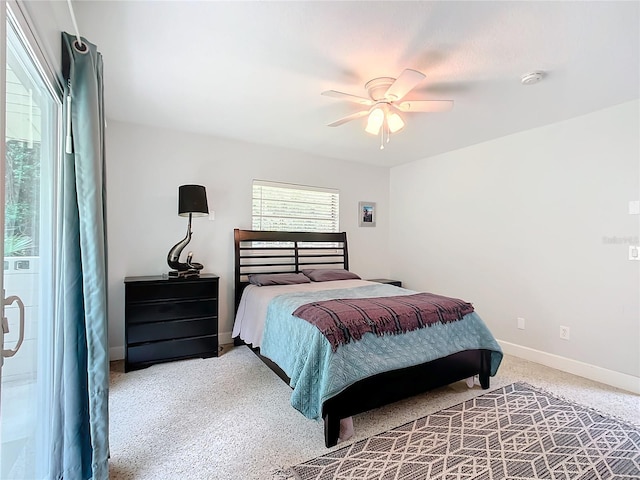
column 294, row 208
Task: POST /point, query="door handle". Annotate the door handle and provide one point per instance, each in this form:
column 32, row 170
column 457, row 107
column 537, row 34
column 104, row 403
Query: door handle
column 5, row 325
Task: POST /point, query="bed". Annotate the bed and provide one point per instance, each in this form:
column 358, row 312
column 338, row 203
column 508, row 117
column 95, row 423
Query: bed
column 334, row 383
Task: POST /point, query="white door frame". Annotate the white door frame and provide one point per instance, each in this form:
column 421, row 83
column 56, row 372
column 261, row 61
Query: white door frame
column 3, row 101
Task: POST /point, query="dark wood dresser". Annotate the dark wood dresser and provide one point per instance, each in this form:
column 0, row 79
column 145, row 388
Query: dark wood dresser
column 169, row 319
column 397, row 283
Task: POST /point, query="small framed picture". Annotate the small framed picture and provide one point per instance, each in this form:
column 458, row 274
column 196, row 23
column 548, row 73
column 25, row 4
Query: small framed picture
column 367, row 214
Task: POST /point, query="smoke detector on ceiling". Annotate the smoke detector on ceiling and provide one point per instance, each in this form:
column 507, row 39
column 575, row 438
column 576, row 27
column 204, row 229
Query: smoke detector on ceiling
column 532, row 78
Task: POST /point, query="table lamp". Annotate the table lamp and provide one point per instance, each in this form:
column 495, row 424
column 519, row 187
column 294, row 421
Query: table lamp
column 192, row 202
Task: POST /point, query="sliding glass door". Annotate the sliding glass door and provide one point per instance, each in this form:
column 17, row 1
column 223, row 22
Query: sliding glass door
column 31, row 150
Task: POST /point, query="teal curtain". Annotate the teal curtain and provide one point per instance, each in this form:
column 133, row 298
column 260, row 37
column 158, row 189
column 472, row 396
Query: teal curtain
column 81, row 368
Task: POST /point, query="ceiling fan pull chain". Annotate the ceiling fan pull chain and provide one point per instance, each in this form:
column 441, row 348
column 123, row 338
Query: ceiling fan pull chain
column 382, row 138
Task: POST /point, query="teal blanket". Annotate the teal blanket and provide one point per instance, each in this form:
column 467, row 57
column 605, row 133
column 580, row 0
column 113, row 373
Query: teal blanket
column 317, row 374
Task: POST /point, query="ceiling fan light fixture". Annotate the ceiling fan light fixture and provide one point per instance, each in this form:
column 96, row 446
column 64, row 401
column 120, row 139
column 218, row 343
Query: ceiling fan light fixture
column 394, row 122
column 375, row 121
column 385, row 102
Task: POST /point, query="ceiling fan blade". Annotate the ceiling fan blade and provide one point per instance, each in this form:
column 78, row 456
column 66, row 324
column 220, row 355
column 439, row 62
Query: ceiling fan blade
column 353, row 116
column 404, row 84
column 425, row 106
column 348, row 96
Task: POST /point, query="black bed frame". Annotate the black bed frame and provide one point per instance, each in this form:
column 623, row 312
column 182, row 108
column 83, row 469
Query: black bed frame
column 279, row 252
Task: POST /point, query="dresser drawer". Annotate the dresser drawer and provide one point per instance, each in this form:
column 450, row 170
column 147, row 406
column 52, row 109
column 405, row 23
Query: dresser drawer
column 173, row 349
column 169, row 319
column 160, row 311
column 151, row 332
column 177, row 288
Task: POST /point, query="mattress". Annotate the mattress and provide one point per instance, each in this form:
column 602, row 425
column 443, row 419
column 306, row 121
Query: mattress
column 265, row 319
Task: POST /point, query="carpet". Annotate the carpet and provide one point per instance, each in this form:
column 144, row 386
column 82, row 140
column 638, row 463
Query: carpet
column 516, row 432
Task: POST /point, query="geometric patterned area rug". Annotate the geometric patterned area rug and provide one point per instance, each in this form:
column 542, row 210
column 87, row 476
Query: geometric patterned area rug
column 516, row 432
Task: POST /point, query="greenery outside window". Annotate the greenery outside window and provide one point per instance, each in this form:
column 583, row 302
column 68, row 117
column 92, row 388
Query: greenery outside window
column 22, row 176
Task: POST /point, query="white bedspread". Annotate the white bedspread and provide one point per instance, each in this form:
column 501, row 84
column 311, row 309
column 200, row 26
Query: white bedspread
column 252, row 311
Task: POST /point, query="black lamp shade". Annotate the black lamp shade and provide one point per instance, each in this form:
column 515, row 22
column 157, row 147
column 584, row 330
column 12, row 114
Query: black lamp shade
column 192, row 199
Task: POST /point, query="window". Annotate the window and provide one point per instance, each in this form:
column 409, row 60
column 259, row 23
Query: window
column 31, row 149
column 294, row 208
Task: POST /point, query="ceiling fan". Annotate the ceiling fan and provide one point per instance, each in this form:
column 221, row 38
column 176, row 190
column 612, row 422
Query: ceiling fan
column 385, row 101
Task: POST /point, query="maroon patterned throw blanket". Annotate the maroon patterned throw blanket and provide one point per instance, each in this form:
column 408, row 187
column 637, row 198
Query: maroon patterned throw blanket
column 345, row 320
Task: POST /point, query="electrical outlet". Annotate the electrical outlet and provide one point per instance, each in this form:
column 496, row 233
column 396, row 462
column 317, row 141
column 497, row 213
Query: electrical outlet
column 521, row 323
column 564, row 332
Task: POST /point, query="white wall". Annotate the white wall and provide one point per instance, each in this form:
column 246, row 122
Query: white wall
column 145, row 166
column 522, row 227
column 516, row 225
column 49, row 18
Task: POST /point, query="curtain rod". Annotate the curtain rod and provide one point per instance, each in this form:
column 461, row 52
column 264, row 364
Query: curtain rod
column 79, row 45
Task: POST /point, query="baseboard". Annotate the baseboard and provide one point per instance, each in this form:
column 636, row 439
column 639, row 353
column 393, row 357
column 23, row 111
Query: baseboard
column 575, row 367
column 117, row 353
column 224, row 338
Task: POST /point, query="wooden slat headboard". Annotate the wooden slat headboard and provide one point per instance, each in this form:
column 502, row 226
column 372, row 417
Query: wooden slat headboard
column 285, row 252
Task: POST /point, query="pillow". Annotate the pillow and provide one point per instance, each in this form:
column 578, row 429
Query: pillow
column 329, row 274
column 262, row 279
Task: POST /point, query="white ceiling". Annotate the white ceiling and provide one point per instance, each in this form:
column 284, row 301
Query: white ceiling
column 254, row 71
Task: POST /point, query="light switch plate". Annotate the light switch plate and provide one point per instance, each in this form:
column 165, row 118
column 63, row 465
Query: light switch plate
column 634, row 207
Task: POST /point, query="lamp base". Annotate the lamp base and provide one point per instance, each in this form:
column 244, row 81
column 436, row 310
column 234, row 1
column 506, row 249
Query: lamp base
column 184, row 273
